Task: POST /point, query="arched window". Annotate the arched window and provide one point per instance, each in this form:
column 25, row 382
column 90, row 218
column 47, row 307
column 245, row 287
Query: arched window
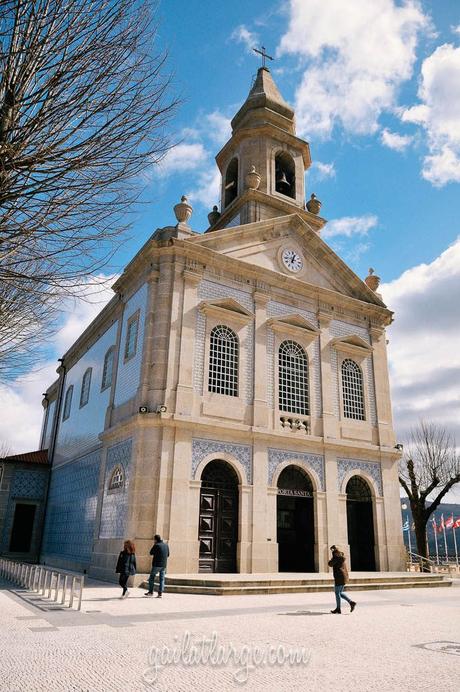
column 107, row 372
column 231, row 181
column 85, row 387
column 352, row 390
column 285, row 174
column 358, row 490
column 223, row 361
column 293, row 378
column 67, row 402
column 117, row 479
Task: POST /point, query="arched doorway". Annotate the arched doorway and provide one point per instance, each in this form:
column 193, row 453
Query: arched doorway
column 360, row 523
column 295, row 521
column 218, row 522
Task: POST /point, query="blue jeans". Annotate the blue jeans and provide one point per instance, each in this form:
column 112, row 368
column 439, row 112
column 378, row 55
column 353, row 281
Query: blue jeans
column 153, row 574
column 339, row 594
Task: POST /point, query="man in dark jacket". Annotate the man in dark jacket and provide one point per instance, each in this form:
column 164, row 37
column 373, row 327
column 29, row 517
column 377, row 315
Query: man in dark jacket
column 160, row 552
column 340, row 571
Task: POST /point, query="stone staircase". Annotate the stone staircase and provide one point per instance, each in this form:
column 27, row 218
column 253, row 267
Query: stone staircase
column 246, row 584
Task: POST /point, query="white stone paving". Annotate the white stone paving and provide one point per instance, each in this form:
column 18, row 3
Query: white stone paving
column 391, row 642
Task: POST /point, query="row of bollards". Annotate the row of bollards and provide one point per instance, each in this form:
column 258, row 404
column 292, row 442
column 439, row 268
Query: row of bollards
column 61, row 588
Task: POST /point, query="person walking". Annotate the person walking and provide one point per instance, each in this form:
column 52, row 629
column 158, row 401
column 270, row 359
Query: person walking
column 126, row 566
column 160, row 552
column 339, row 568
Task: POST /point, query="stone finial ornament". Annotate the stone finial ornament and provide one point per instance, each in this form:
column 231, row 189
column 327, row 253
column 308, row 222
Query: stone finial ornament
column 372, row 280
column 313, row 204
column 214, row 216
column 183, row 210
column 253, row 179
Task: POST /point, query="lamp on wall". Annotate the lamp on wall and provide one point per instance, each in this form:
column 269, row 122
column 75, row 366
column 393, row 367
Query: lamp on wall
column 161, row 408
column 399, row 447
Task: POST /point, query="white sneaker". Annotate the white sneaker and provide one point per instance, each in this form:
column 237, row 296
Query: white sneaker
column 125, row 595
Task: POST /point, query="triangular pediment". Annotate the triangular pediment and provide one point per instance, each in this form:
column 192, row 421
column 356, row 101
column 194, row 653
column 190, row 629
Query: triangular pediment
column 352, row 344
column 228, row 307
column 262, row 244
column 295, row 320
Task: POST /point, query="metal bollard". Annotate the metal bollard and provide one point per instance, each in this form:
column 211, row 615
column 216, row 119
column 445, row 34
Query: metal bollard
column 52, row 575
column 58, row 582
column 72, row 593
column 82, row 581
column 64, row 589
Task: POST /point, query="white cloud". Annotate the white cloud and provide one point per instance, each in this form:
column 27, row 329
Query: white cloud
column 439, row 114
column 20, row 401
column 357, row 55
column 395, row 141
column 242, row 35
column 183, row 157
column 207, row 191
column 323, row 170
column 348, row 226
column 218, row 127
column 423, row 350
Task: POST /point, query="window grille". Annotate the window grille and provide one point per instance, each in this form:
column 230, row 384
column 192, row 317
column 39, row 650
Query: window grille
column 107, row 372
column 67, row 402
column 85, row 387
column 117, row 479
column 223, row 361
column 131, row 337
column 352, row 389
column 293, row 379
column 358, row 490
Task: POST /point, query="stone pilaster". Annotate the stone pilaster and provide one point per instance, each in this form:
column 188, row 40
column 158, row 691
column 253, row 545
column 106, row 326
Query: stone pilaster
column 382, row 387
column 184, row 394
column 260, row 360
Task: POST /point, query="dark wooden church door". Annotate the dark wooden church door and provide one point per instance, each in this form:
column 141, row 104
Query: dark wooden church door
column 218, row 522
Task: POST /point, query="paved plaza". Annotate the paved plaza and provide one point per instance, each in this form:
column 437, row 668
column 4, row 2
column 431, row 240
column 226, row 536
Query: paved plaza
column 395, row 640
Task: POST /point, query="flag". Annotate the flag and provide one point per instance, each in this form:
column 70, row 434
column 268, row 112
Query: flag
column 434, row 523
column 457, row 524
column 406, row 525
column 450, row 522
column 441, row 524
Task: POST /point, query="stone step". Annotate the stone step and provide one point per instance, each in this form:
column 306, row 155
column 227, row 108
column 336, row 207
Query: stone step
column 232, row 588
column 309, row 581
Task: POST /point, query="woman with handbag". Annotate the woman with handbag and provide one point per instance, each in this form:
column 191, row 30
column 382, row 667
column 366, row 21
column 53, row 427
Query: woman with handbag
column 126, row 566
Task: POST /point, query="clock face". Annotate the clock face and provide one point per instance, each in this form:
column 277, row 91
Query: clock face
column 292, row 260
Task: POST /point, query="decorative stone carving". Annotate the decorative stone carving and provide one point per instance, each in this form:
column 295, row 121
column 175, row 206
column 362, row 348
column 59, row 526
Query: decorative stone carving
column 214, row 216
column 253, row 179
column 313, row 461
column 313, row 204
column 183, row 210
column 372, row 280
column 371, row 468
column 201, row 448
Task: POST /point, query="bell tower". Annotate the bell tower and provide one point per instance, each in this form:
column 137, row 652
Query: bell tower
column 264, row 162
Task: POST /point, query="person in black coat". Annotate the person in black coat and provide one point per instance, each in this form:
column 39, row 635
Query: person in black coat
column 126, row 566
column 160, row 553
column 340, row 571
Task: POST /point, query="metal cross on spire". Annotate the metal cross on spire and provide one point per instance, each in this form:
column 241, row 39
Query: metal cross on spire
column 263, row 54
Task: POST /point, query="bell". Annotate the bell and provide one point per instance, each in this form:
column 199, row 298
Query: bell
column 282, row 183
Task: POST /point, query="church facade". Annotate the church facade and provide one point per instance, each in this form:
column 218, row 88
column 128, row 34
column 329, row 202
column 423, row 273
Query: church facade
column 233, row 396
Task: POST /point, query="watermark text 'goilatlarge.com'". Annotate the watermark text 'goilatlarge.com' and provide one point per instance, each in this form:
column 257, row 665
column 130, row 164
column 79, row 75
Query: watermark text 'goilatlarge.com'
column 208, row 651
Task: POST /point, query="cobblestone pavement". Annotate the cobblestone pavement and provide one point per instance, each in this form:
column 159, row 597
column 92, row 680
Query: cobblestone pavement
column 395, row 640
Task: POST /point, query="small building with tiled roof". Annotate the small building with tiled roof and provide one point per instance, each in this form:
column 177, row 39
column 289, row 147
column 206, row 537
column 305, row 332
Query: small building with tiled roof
column 23, row 489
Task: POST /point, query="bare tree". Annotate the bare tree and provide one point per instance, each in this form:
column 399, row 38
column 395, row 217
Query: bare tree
column 429, row 468
column 5, row 449
column 84, row 105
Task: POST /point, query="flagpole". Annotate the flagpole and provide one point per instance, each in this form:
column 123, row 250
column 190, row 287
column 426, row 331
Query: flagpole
column 408, row 532
column 445, row 541
column 435, row 531
column 455, row 544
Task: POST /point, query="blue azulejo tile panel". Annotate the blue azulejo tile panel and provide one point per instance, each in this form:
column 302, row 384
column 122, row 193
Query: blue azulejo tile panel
column 129, row 371
column 71, row 511
column 115, row 501
column 80, row 431
column 372, row 469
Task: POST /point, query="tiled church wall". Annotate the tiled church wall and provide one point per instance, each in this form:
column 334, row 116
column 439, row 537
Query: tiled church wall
column 129, row 371
column 79, row 433
column 71, row 512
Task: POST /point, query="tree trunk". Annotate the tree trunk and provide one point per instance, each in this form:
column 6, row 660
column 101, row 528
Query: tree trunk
column 420, row 537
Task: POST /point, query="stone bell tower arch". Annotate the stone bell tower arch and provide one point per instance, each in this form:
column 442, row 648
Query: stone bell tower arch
column 263, row 164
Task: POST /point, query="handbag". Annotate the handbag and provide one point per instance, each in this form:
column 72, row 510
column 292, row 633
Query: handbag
column 120, row 564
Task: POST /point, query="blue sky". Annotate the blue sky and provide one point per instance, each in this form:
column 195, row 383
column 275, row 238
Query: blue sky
column 376, row 88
